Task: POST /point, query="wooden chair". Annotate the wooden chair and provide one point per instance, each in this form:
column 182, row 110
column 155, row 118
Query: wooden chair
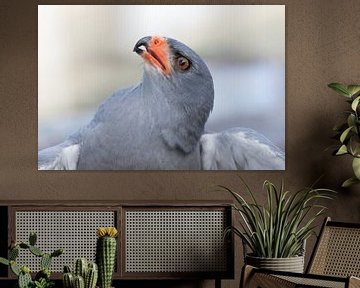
column 335, row 262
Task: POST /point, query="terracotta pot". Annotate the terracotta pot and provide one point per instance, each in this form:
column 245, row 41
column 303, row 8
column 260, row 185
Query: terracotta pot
column 291, row 264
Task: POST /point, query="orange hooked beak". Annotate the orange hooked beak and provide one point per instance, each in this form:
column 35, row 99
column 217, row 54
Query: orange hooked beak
column 155, row 50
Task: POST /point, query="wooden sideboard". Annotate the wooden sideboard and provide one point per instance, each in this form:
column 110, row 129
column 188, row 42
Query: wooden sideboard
column 157, row 240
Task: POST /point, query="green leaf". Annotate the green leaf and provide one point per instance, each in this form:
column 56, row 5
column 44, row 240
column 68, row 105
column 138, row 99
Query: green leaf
column 355, row 103
column 14, row 268
column 353, row 89
column 32, row 238
column 356, row 167
column 36, row 251
column 57, row 252
column 340, row 127
column 345, row 134
column 23, row 245
column 25, row 269
column 354, row 145
column 351, row 120
column 340, row 88
column 13, row 253
column 24, row 280
column 355, row 129
column 278, row 228
column 349, row 182
column 45, row 261
column 342, row 150
column 4, row 261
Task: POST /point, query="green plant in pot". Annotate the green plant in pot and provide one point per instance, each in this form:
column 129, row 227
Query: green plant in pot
column 42, row 278
column 275, row 233
column 348, row 132
column 106, row 254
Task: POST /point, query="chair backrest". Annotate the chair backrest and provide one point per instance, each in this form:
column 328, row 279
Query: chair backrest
column 337, row 251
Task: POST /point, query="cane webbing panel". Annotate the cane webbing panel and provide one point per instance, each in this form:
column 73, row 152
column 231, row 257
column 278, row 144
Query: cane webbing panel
column 267, row 280
column 338, row 252
column 75, row 231
column 313, row 282
column 175, row 241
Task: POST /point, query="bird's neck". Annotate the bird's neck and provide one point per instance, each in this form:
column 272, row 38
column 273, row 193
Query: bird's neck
column 180, row 121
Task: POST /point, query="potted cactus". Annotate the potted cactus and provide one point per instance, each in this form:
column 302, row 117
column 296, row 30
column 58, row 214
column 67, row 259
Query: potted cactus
column 106, row 254
column 42, row 278
column 84, row 275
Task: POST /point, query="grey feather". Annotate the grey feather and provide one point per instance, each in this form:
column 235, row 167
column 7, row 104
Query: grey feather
column 240, row 149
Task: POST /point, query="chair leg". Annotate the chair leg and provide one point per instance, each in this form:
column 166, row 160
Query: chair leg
column 246, row 273
column 217, row 283
column 354, row 282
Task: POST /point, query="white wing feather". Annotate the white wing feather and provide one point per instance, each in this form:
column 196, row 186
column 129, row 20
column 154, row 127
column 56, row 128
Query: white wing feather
column 240, row 149
column 64, row 156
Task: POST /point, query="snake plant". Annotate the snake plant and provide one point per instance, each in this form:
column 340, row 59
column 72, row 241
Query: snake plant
column 279, row 228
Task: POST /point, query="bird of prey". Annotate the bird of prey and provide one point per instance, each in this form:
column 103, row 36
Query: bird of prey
column 159, row 123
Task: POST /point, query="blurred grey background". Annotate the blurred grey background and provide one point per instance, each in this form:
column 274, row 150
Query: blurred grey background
column 85, row 53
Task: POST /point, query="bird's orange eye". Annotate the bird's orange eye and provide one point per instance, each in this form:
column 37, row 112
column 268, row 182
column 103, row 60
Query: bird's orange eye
column 182, row 63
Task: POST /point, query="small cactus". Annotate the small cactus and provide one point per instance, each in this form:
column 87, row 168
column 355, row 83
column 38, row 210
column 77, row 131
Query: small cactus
column 88, row 273
column 24, row 245
column 14, row 268
column 91, row 276
column 57, row 252
column 45, row 261
column 13, row 253
column 44, row 273
column 25, row 269
column 32, row 238
column 68, row 280
column 106, row 254
column 24, row 278
column 79, row 282
column 81, row 266
column 67, row 269
column 36, row 251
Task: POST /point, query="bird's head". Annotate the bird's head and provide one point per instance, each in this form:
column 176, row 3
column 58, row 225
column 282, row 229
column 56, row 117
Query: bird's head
column 173, row 66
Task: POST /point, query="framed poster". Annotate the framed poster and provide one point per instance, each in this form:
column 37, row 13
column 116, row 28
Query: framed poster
column 204, row 90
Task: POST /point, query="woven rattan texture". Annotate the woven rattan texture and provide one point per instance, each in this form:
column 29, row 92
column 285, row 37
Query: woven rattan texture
column 338, row 253
column 267, row 281
column 175, row 241
column 304, row 282
column 75, row 231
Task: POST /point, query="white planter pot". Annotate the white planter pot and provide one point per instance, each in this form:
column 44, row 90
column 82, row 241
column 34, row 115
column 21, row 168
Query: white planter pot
column 291, row 264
